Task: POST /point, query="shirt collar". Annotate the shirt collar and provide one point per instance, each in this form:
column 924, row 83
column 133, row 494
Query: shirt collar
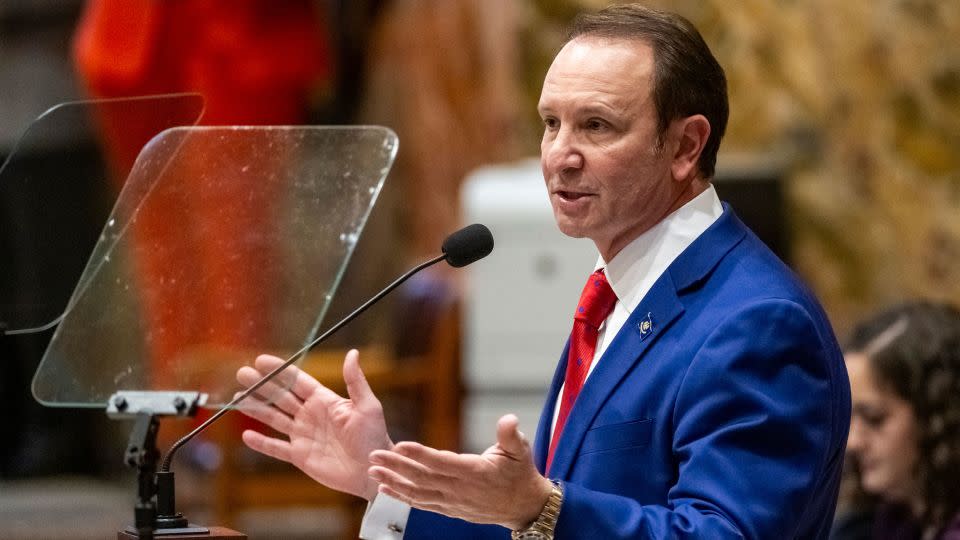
column 633, row 270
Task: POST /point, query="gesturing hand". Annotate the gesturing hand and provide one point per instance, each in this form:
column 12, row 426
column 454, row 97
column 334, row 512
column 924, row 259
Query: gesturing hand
column 500, row 486
column 330, row 437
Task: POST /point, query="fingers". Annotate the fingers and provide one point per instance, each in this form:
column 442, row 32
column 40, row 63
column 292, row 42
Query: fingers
column 409, row 490
column 407, row 499
column 271, row 416
column 357, row 387
column 269, row 392
column 440, row 461
column 509, row 437
column 299, row 382
column 385, row 462
column 269, row 446
column 295, row 385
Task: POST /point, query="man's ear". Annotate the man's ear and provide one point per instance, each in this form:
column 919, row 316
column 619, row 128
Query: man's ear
column 692, row 133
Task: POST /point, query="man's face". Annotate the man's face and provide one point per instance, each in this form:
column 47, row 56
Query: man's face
column 606, row 179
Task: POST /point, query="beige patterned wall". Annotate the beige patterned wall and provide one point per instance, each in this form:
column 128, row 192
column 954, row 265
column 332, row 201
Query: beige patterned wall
column 863, row 97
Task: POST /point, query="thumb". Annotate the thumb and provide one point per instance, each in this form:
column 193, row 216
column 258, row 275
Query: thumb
column 357, row 386
column 509, row 437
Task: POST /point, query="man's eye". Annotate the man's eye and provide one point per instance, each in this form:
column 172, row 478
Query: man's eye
column 596, row 125
column 550, row 123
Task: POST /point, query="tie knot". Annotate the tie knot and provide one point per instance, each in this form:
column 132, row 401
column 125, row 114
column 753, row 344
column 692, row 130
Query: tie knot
column 596, row 300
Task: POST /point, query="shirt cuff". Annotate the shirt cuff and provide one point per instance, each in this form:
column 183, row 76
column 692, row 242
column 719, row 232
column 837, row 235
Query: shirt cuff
column 385, row 519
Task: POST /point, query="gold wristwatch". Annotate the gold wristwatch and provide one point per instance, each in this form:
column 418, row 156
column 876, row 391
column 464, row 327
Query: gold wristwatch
column 542, row 527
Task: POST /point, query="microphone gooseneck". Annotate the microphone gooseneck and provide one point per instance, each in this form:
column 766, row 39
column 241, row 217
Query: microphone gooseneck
column 461, row 248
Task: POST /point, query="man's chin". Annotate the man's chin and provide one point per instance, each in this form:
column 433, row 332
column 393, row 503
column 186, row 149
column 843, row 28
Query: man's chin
column 573, row 233
column 570, row 228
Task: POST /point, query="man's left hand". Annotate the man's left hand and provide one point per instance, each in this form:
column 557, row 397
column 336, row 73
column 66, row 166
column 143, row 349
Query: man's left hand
column 500, row 486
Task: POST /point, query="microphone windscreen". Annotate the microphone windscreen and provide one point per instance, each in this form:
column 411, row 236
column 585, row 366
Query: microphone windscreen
column 468, row 245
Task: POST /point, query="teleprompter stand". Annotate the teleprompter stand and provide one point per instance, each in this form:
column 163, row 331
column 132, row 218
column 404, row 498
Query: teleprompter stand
column 155, row 513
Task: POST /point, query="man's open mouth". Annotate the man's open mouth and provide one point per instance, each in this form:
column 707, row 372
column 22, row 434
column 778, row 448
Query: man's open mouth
column 571, row 195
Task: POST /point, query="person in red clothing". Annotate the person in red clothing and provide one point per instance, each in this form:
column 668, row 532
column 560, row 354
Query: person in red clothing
column 256, row 62
column 904, row 367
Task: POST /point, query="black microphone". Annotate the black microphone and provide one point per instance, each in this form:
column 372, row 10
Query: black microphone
column 468, row 245
column 461, row 248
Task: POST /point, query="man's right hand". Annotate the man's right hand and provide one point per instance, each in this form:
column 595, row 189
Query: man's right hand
column 330, row 437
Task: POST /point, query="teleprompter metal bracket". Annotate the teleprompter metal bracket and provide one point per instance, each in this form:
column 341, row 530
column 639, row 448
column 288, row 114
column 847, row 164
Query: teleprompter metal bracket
column 128, row 404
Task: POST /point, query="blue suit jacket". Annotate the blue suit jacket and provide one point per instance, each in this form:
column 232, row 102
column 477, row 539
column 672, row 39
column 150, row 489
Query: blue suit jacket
column 727, row 418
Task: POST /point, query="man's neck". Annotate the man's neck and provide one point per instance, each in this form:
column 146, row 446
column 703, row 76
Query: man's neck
column 693, row 189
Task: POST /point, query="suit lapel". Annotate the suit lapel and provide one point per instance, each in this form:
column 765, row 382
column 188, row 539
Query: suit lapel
column 542, row 440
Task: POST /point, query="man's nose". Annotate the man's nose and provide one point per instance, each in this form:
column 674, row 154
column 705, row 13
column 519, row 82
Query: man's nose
column 562, row 153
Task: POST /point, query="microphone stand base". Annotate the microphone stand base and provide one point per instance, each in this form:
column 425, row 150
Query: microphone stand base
column 192, row 532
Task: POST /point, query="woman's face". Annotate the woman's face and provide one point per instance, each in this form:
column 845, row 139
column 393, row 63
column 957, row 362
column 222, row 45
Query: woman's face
column 883, row 435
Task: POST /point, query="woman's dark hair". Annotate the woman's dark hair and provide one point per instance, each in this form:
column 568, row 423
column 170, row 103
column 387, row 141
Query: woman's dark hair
column 914, row 350
column 688, row 80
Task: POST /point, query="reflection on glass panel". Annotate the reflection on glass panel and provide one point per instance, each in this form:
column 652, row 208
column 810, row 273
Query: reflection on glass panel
column 226, row 242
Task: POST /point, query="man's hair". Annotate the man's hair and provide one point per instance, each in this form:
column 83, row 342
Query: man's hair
column 914, row 351
column 688, row 80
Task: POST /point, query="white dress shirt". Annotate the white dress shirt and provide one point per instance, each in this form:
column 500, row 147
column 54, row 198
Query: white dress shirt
column 631, row 274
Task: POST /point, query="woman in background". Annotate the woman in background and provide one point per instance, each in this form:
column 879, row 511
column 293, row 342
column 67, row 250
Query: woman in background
column 904, row 444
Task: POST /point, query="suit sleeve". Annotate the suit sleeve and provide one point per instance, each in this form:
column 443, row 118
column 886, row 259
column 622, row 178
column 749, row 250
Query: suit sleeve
column 430, row 526
column 753, row 431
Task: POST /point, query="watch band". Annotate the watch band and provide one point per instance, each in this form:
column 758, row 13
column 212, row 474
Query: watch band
column 542, row 527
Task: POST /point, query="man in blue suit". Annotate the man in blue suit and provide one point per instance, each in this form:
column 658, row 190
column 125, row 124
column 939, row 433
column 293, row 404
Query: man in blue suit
column 702, row 393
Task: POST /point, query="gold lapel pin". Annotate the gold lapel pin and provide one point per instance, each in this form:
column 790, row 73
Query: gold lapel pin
column 646, row 325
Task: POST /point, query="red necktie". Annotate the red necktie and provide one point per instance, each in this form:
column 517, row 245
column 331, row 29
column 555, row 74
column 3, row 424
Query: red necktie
column 596, row 303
